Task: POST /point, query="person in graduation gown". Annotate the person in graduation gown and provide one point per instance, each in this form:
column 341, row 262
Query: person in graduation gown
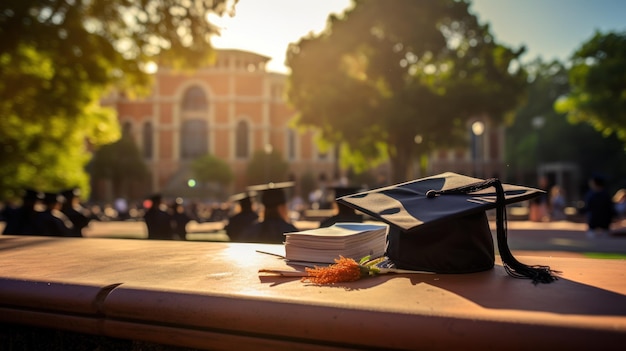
column 344, row 213
column 275, row 216
column 77, row 214
column 51, row 221
column 180, row 219
column 242, row 221
column 19, row 220
column 158, row 220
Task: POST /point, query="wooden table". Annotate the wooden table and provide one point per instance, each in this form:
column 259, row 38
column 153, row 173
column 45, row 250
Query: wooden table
column 210, row 296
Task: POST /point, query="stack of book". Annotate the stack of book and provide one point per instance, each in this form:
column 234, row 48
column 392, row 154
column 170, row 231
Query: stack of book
column 324, row 245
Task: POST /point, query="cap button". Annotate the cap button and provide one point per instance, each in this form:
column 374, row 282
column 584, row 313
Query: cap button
column 431, row 194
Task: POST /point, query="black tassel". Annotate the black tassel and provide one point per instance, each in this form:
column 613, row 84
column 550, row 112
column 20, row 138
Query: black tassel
column 516, row 269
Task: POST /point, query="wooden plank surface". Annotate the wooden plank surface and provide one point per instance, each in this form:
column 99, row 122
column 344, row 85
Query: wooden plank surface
column 205, row 295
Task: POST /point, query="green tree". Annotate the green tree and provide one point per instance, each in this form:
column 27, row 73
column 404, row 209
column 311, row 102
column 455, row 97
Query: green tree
column 598, row 85
column 58, row 58
column 529, row 143
column 121, row 163
column 267, row 167
column 558, row 140
column 209, row 168
column 387, row 72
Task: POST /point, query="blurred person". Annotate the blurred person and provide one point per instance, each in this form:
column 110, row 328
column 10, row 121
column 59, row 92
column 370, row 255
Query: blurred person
column 20, row 219
column 539, row 205
column 275, row 215
column 557, row 204
column 51, row 221
column 619, row 202
column 243, row 219
column 344, row 213
column 75, row 212
column 179, row 219
column 598, row 207
column 157, row 220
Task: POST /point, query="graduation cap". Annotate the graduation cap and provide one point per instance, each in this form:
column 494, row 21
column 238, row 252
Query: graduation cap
column 156, row 198
column 439, row 224
column 70, row 194
column 243, row 196
column 53, row 198
column 272, row 194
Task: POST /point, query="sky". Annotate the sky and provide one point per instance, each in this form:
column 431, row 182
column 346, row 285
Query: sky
column 551, row 29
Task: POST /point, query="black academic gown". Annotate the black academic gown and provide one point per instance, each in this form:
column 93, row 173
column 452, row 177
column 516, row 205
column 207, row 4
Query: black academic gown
column 14, row 217
column 239, row 224
column 158, row 223
column 270, row 231
column 78, row 218
column 52, row 223
column 179, row 224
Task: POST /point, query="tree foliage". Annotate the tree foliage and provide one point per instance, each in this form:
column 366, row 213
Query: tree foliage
column 209, row 168
column 58, row 58
column 267, row 167
column 388, row 71
column 558, row 140
column 526, row 142
column 598, row 84
column 121, row 163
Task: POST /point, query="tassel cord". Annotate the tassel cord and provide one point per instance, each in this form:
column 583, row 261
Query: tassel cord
column 516, row 269
column 513, row 267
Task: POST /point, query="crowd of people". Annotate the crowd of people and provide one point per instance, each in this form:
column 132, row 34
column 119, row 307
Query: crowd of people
column 273, row 219
column 47, row 214
column 63, row 214
column 261, row 214
column 600, row 210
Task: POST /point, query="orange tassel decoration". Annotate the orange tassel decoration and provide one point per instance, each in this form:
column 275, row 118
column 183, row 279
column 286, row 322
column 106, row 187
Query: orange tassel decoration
column 344, row 270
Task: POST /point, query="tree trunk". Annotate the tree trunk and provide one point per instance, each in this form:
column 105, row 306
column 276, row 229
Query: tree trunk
column 400, row 165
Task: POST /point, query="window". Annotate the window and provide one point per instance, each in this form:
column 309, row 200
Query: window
column 127, row 129
column 241, row 140
column 194, row 139
column 147, row 140
column 194, row 131
column 194, row 99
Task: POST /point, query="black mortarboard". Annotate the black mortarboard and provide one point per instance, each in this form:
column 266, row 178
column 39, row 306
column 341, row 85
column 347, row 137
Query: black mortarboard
column 52, row 198
column 243, row 196
column 439, row 223
column 156, row 198
column 272, row 194
column 69, row 194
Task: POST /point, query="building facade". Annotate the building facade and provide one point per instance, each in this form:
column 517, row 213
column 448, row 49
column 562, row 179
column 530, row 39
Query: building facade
column 229, row 110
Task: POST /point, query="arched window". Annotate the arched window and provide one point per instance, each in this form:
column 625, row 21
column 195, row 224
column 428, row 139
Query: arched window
column 241, row 140
column 127, row 129
column 194, row 131
column 147, row 140
column 194, row 139
column 194, row 99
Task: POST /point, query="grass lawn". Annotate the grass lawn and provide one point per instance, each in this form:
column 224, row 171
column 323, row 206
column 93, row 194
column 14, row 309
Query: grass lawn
column 605, row 255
